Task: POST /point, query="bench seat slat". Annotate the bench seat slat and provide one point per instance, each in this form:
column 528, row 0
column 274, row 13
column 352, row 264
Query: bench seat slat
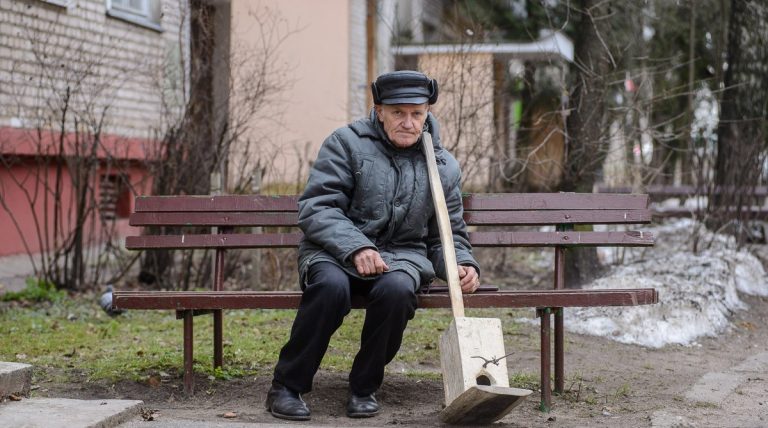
column 533, row 217
column 209, row 300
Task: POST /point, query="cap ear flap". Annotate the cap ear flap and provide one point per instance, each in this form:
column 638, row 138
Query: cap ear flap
column 375, row 93
column 433, row 88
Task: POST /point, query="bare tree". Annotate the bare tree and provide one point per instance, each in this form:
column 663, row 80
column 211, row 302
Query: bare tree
column 586, row 142
column 61, row 90
column 465, row 109
column 743, row 129
column 206, row 131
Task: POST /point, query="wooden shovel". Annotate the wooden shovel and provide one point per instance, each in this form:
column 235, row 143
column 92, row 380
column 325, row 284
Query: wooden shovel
column 472, row 352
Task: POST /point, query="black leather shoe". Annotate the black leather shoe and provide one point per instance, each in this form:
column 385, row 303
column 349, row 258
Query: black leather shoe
column 362, row 406
column 286, row 404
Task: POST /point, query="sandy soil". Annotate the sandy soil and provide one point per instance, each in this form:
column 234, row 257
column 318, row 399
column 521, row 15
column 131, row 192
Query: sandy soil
column 609, row 384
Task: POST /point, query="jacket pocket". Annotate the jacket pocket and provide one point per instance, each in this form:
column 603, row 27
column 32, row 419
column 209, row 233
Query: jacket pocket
column 363, row 175
column 368, row 198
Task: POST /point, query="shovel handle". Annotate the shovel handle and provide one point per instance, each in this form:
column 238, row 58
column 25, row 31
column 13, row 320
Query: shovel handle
column 444, row 225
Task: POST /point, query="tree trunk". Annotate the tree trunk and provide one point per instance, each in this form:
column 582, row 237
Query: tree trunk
column 742, row 128
column 191, row 152
column 586, row 145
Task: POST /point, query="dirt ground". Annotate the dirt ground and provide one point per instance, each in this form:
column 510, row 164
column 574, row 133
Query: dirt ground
column 608, row 384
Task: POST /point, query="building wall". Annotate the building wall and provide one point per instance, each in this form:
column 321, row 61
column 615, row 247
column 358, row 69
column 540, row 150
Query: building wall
column 311, row 69
column 359, row 81
column 358, row 70
column 465, row 110
column 28, row 211
column 118, row 83
column 108, row 64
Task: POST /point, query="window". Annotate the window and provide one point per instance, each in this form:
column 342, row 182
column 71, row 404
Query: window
column 115, row 197
column 136, row 7
column 140, row 12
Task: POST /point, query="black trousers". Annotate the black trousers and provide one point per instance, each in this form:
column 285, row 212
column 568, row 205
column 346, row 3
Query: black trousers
column 324, row 304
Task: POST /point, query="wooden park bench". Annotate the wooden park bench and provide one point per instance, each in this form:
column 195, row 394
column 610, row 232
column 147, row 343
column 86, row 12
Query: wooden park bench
column 488, row 215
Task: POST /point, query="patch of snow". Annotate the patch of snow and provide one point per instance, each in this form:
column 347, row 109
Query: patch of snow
column 694, row 203
column 698, row 290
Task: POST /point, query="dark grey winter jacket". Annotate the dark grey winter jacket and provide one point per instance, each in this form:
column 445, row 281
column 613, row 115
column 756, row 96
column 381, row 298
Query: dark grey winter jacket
column 363, row 192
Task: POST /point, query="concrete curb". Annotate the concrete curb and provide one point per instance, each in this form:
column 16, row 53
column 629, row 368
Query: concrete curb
column 15, row 378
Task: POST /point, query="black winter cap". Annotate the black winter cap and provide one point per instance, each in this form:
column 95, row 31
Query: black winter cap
column 404, row 87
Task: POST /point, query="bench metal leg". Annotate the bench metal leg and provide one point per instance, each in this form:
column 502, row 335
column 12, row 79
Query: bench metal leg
column 189, row 375
column 218, row 319
column 546, row 360
column 559, row 352
column 559, row 332
column 218, row 348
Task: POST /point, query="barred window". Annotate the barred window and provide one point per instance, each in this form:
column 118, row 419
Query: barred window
column 115, row 197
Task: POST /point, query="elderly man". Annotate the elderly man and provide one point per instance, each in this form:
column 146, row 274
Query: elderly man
column 370, row 229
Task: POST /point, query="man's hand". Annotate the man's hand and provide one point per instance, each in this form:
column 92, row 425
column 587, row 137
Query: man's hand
column 369, row 262
column 469, row 279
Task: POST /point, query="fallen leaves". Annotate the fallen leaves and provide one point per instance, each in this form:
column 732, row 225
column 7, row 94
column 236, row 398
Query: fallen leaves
column 149, row 414
column 746, row 325
column 153, row 381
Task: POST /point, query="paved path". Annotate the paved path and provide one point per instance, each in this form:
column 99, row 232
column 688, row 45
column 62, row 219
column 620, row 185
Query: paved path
column 736, row 397
column 66, row 413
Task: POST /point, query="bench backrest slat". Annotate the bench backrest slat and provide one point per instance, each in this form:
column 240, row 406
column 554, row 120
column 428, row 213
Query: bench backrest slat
column 554, row 201
column 532, row 217
column 475, row 201
column 262, row 240
column 565, row 239
column 240, row 203
column 478, row 239
column 207, row 218
column 473, row 218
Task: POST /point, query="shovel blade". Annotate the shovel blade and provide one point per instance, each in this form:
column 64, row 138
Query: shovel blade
column 482, row 404
column 466, row 346
column 475, row 378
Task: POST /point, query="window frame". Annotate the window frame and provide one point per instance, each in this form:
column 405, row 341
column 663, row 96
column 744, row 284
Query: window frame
column 149, row 16
column 66, row 4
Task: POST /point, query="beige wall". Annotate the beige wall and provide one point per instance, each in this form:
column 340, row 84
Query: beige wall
column 465, row 110
column 312, row 67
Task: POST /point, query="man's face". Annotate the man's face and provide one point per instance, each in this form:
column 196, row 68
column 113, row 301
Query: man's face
column 403, row 122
